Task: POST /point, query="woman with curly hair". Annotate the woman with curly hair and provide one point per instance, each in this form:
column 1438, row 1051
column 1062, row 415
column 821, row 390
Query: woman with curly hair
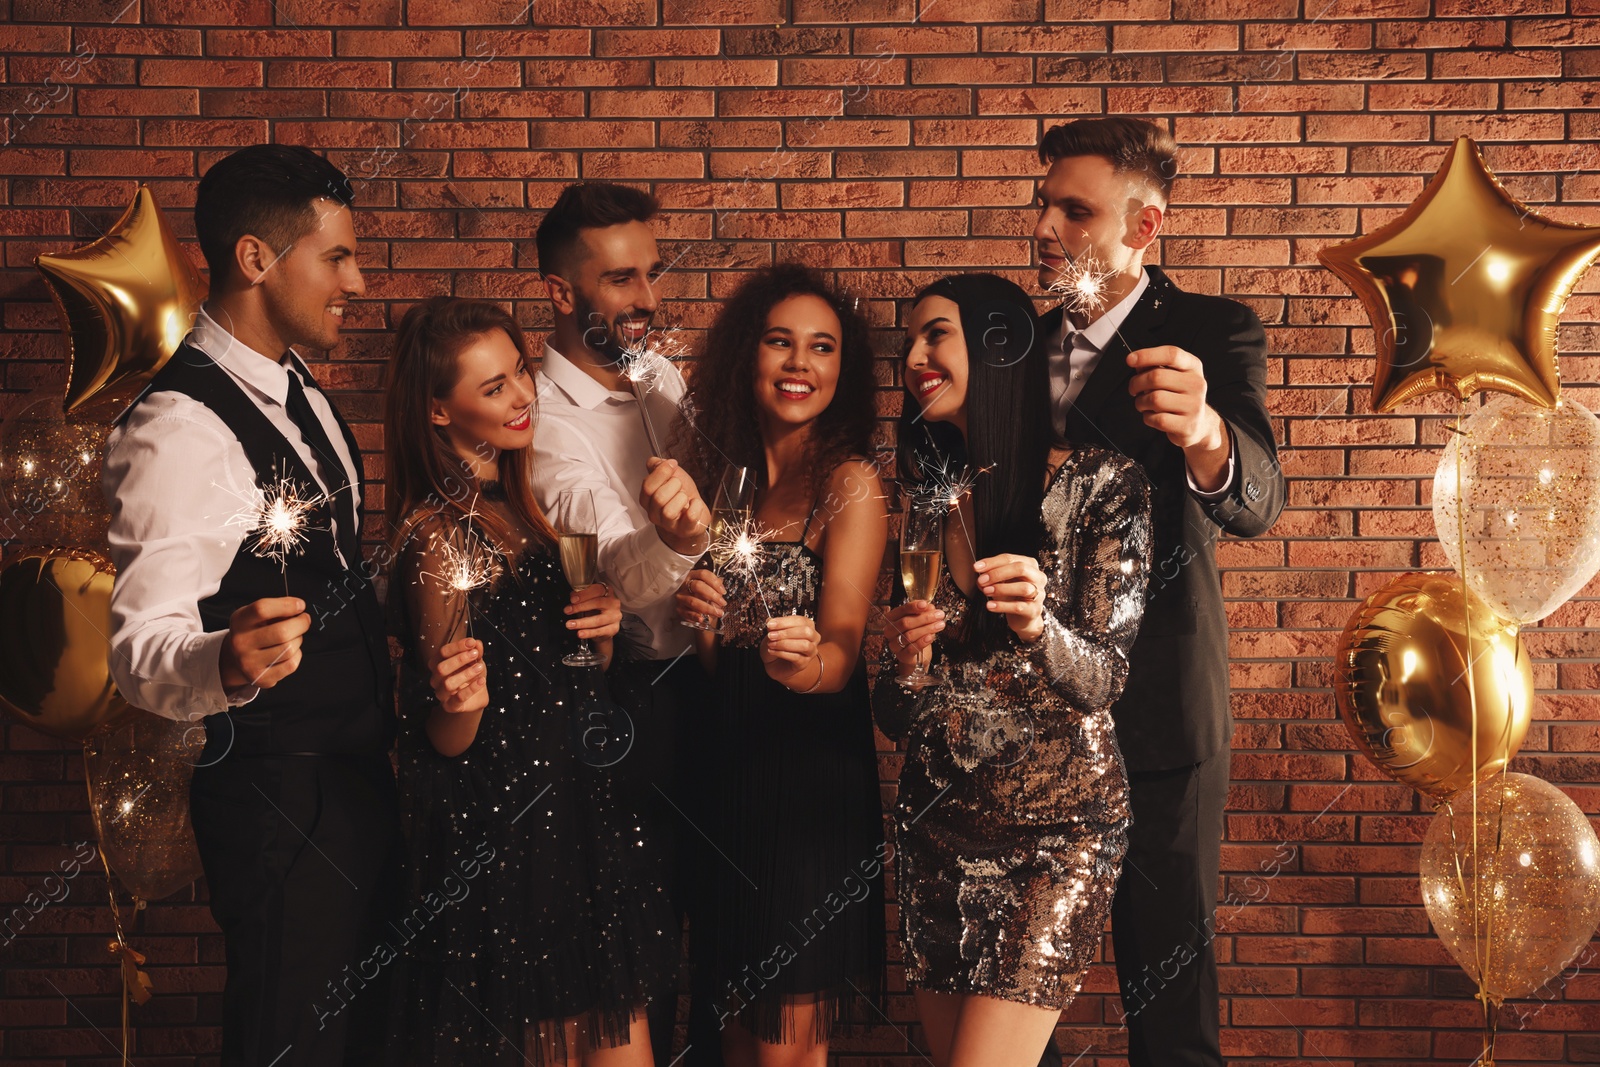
column 788, row 924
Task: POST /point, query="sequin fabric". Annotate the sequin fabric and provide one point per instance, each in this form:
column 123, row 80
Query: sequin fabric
column 1013, row 805
column 534, row 892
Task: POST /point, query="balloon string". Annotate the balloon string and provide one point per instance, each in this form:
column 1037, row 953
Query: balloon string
column 121, row 947
column 1480, row 950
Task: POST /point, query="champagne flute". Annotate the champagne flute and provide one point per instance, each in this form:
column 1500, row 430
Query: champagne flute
column 921, row 555
column 580, row 549
column 731, row 509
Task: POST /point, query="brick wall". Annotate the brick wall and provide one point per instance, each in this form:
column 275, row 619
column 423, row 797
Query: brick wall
column 888, row 144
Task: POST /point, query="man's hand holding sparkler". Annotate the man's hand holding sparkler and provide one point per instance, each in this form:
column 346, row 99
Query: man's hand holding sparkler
column 1169, row 390
column 263, row 645
column 672, row 502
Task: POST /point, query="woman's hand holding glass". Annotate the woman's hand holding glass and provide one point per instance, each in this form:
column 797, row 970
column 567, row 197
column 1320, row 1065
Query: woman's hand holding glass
column 910, row 629
column 599, row 614
column 1014, row 586
column 701, row 598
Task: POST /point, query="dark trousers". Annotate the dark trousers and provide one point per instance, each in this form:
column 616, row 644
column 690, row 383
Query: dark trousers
column 667, row 701
column 1164, row 914
column 302, row 860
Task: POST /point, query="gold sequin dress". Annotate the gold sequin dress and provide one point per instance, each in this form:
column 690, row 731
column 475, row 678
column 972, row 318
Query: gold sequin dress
column 1013, row 809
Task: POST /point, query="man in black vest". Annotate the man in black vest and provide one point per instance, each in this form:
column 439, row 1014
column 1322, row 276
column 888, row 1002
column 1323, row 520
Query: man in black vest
column 282, row 657
column 1176, row 381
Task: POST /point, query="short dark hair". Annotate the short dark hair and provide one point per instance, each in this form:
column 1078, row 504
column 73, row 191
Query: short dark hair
column 265, row 190
column 587, row 206
column 1132, row 146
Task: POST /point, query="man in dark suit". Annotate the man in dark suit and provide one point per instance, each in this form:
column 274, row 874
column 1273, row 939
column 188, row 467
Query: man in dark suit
column 1176, row 381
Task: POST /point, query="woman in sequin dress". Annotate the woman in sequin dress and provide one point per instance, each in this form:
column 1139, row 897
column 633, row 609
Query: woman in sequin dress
column 537, row 925
column 788, row 927
column 1012, row 812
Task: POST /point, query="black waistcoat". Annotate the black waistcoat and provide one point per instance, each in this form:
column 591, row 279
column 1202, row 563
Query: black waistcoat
column 340, row 699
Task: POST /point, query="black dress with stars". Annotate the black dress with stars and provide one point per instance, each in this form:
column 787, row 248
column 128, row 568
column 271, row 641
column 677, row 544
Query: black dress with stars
column 792, row 890
column 533, row 895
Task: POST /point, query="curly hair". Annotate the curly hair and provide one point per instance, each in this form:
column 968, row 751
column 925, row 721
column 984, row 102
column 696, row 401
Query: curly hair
column 721, row 426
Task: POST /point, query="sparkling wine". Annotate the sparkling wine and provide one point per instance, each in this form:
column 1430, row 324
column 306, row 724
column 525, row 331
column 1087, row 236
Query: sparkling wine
column 919, row 570
column 579, row 552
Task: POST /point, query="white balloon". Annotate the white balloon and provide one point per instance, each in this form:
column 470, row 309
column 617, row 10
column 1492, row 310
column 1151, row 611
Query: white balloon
column 1522, row 483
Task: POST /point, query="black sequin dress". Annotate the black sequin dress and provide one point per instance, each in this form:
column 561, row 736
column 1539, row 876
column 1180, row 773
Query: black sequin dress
column 793, row 889
column 533, row 895
column 1012, row 817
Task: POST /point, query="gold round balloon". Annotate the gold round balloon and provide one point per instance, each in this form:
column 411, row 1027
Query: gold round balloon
column 127, row 301
column 138, row 774
column 1465, row 289
column 1410, row 690
column 55, row 610
column 1517, row 904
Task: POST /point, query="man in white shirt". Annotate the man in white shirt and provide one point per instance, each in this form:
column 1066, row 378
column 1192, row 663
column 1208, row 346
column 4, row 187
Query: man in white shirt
column 600, row 265
column 285, row 664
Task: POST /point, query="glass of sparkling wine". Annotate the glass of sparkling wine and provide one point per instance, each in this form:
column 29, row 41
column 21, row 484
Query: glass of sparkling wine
column 730, row 512
column 921, row 554
column 580, row 549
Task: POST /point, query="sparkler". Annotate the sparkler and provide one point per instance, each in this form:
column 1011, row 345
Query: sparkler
column 276, row 514
column 464, row 565
column 944, row 480
column 742, row 547
column 1082, row 285
column 644, row 362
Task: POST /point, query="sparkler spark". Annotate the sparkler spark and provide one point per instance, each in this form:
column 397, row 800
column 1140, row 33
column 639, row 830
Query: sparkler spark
column 741, row 548
column 466, row 562
column 645, row 362
column 1081, row 284
column 277, row 515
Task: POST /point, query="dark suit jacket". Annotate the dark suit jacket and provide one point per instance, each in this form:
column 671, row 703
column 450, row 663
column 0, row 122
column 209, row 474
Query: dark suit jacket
column 1174, row 710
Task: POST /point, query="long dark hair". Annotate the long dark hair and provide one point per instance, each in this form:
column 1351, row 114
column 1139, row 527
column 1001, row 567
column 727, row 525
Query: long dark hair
column 423, row 474
column 1008, row 437
column 721, row 425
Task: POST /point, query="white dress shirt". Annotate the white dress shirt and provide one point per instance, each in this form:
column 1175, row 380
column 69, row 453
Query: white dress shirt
column 174, row 475
column 1075, row 353
column 589, row 437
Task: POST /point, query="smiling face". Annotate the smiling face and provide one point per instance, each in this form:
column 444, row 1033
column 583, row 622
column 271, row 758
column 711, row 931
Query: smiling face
column 490, row 408
column 1087, row 207
column 797, row 360
column 936, row 360
column 308, row 285
column 611, row 290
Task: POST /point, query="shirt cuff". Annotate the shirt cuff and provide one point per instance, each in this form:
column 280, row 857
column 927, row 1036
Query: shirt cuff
column 209, row 648
column 1227, row 483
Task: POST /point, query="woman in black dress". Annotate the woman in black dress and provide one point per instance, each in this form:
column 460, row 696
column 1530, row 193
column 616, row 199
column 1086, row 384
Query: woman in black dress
column 788, row 927
column 537, row 925
column 1013, row 808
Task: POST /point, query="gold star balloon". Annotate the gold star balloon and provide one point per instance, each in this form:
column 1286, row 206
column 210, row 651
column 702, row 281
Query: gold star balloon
column 127, row 300
column 1465, row 288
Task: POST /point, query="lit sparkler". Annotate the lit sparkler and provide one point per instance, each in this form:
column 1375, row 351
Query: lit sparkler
column 466, row 562
column 741, row 548
column 277, row 515
column 1082, row 285
column 645, row 362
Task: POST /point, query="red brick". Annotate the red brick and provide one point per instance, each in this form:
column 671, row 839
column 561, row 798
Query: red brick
column 721, row 12
column 668, row 43
column 230, row 73
column 261, row 44
column 1175, row 37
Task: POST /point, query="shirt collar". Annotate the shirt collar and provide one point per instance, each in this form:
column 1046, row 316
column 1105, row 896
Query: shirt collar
column 570, row 378
column 267, row 375
column 1100, row 332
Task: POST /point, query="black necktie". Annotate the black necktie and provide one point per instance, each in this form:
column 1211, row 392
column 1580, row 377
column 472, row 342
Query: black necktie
column 333, row 471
